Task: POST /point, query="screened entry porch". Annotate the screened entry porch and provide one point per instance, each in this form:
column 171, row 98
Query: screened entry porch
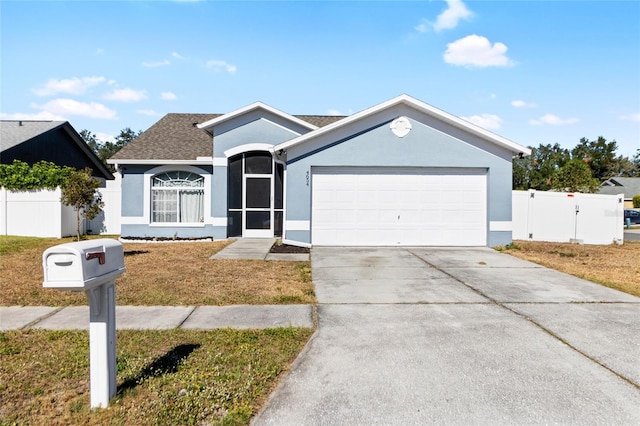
column 255, row 195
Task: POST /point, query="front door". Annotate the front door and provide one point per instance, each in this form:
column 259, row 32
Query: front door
column 251, row 195
column 258, row 211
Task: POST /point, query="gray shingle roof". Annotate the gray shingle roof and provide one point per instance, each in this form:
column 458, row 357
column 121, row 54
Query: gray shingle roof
column 176, row 137
column 173, row 137
column 629, row 186
column 14, row 132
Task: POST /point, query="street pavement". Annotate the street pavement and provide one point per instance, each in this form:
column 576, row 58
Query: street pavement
column 462, row 337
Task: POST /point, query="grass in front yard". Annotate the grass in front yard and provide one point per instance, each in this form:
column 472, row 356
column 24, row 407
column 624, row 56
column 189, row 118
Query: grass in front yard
column 163, row 377
column 613, row 265
column 160, row 274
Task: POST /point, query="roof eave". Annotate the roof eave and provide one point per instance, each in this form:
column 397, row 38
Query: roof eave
column 202, row 161
column 421, row 106
column 208, row 125
column 85, row 148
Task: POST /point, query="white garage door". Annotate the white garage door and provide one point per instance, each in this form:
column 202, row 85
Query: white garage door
column 389, row 207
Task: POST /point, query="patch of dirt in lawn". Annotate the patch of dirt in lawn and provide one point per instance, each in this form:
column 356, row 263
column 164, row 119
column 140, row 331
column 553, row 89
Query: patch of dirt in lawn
column 286, row 248
column 615, row 266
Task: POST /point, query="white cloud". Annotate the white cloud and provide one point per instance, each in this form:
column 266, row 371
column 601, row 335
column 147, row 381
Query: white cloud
column 523, row 104
column 448, row 19
column 423, row 26
column 177, row 55
column 65, row 107
column 168, row 96
column 149, row 112
column 631, row 117
column 486, row 121
column 553, row 120
column 74, row 86
column 105, row 137
column 334, row 112
column 452, row 15
column 156, row 64
column 220, row 66
column 477, row 51
column 42, row 115
column 126, row 95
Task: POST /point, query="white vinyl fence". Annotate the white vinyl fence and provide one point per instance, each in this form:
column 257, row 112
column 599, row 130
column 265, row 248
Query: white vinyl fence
column 41, row 214
column 35, row 214
column 568, row 217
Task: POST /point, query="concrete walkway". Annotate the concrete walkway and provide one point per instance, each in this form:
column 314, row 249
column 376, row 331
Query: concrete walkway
column 256, row 248
column 460, row 337
column 161, row 317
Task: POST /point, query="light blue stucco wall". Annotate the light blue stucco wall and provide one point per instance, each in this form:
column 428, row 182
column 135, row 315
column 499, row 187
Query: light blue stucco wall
column 133, row 190
column 133, row 206
column 253, row 128
column 374, row 145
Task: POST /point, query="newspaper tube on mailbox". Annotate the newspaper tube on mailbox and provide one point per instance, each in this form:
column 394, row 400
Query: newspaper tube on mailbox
column 92, row 266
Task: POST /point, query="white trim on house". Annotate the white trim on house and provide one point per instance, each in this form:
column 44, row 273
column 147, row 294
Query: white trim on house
column 295, row 243
column 200, row 161
column 134, row 220
column 220, row 162
column 254, row 106
column 248, row 147
column 420, row 106
column 298, row 225
column 219, row 221
column 500, row 225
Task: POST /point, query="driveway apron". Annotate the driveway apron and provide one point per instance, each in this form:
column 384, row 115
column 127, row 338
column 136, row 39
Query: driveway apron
column 460, row 336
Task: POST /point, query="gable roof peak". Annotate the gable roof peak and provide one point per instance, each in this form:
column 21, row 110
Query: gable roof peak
column 208, row 125
column 422, row 107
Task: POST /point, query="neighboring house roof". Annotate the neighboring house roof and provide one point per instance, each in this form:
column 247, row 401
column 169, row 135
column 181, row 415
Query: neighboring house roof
column 629, row 186
column 420, row 106
column 58, row 142
column 178, row 137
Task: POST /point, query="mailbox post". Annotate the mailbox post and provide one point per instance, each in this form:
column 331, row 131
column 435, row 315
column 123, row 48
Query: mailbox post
column 92, row 266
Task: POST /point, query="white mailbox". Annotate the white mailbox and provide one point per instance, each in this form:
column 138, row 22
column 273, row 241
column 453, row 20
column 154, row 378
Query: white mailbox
column 83, row 265
column 92, row 266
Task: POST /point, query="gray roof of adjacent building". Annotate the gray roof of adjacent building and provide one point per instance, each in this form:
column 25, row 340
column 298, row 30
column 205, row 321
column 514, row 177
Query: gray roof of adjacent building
column 15, row 132
column 177, row 137
column 629, row 186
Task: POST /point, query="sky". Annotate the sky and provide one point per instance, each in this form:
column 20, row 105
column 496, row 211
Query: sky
column 535, row 72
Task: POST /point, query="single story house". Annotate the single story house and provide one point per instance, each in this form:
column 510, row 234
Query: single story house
column 629, row 186
column 399, row 173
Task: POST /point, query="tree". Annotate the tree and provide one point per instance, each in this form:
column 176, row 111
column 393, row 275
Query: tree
column 91, row 139
column 623, row 166
column 536, row 171
column 575, row 176
column 80, row 192
column 105, row 150
column 600, row 155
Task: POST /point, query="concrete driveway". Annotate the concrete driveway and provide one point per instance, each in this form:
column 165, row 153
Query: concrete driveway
column 460, row 336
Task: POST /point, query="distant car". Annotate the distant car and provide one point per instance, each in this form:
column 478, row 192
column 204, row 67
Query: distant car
column 634, row 215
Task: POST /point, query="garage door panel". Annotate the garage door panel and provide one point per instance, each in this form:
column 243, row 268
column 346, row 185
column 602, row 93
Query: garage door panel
column 399, row 207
